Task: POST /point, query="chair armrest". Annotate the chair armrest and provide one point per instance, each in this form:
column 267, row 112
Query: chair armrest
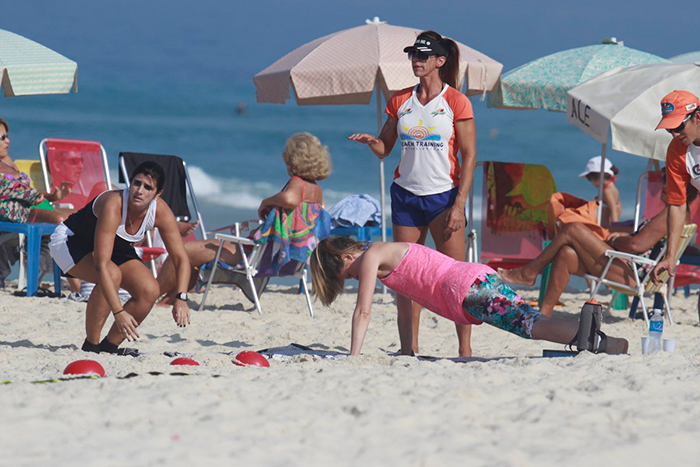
column 235, row 239
column 629, row 257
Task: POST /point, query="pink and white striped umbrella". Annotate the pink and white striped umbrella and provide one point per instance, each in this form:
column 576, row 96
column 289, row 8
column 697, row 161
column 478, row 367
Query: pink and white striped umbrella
column 346, row 66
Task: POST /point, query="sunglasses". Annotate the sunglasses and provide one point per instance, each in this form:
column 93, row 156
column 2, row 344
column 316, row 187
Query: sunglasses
column 4, row 137
column 680, row 127
column 420, row 56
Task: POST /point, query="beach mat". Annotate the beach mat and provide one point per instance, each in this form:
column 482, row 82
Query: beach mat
column 292, row 350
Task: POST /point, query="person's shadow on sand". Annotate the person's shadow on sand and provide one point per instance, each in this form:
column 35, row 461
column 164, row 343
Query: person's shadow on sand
column 29, row 344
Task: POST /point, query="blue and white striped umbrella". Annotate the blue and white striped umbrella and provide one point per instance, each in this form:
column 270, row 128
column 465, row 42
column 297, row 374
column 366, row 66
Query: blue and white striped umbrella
column 543, row 83
column 28, row 68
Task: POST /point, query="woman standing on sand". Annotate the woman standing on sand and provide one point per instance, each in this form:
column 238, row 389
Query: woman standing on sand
column 434, row 121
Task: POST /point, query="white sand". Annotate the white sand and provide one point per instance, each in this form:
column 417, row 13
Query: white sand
column 372, row 410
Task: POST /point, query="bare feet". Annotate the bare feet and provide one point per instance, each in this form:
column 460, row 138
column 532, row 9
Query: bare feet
column 617, row 345
column 516, row 276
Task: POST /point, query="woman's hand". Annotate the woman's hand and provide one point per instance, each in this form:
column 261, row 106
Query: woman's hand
column 127, row 325
column 364, row 138
column 264, row 210
column 39, row 199
column 60, row 192
column 455, row 219
column 181, row 313
column 614, row 235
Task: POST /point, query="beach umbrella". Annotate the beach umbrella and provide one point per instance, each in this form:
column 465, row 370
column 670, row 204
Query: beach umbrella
column 28, row 68
column 348, row 66
column 690, row 57
column 544, row 82
column 623, row 104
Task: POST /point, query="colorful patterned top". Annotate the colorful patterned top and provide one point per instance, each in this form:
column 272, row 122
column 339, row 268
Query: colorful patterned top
column 295, row 233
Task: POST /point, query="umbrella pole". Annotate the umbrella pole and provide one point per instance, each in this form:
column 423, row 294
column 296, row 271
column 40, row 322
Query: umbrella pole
column 601, row 182
column 382, row 196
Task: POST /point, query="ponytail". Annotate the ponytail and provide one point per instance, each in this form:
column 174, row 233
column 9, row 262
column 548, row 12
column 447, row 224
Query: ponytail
column 449, row 72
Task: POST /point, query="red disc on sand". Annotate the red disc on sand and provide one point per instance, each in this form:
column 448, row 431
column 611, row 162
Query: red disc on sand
column 250, row 358
column 85, row 367
column 185, row 361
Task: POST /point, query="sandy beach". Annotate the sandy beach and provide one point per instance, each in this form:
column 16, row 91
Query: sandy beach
column 514, row 409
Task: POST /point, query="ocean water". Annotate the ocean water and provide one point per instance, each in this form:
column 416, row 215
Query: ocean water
column 235, row 160
column 169, row 81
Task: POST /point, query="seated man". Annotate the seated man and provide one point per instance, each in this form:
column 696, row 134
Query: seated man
column 577, row 250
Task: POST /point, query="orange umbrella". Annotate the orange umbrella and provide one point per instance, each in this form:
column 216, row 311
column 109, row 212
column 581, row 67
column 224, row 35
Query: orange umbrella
column 346, row 67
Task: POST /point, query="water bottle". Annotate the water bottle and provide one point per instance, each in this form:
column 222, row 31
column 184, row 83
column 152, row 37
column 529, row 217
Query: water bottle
column 656, row 329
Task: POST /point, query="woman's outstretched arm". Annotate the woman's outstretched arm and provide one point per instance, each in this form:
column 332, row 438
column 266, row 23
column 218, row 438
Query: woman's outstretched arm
column 381, row 146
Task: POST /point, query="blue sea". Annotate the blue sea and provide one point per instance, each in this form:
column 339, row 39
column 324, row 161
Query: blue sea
column 164, row 78
column 235, row 160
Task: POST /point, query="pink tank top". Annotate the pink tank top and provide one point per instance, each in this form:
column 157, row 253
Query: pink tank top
column 436, row 281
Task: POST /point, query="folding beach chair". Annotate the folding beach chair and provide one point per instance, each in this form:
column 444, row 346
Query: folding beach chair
column 257, row 260
column 82, row 163
column 177, row 183
column 642, row 267
column 514, row 206
column 31, row 234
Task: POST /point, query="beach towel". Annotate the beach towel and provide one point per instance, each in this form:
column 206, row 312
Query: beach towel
column 355, row 211
column 567, row 208
column 294, row 234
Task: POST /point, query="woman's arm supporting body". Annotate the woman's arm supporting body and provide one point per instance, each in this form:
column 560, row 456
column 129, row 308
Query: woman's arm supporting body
column 170, row 233
column 465, row 131
column 368, row 269
column 108, row 211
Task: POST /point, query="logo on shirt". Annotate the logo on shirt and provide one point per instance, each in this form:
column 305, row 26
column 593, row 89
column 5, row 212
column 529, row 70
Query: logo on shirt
column 696, row 170
column 420, row 132
column 405, row 112
column 438, row 112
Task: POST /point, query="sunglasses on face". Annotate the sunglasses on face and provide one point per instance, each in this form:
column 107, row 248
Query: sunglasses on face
column 4, row 137
column 680, row 127
column 420, row 56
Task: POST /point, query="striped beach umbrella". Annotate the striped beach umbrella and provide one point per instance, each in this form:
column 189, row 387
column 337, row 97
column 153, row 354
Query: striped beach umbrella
column 543, row 83
column 348, row 66
column 28, row 68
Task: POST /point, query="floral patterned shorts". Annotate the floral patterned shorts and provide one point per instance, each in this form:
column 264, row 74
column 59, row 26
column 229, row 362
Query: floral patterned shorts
column 492, row 301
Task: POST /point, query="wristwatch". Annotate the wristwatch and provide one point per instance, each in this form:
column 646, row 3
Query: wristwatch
column 182, row 296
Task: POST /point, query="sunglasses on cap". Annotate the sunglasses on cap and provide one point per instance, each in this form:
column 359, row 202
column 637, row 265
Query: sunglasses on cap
column 680, row 127
column 420, row 56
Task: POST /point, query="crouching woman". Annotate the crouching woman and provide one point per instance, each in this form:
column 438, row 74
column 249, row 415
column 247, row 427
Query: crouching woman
column 96, row 244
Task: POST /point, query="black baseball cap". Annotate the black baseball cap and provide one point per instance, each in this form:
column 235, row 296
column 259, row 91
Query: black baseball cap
column 428, row 46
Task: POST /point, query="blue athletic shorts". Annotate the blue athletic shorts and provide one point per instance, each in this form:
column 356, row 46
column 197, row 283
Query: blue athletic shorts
column 412, row 210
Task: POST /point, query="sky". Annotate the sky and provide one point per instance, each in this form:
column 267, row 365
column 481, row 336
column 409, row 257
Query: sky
column 239, row 38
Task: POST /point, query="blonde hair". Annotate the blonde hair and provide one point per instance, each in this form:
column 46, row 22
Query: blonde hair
column 306, row 157
column 327, row 263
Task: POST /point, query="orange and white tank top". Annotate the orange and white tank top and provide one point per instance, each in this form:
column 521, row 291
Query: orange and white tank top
column 429, row 149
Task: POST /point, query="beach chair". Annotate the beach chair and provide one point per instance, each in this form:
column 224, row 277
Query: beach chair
column 257, row 264
column 514, row 206
column 82, row 163
column 642, row 267
column 31, row 234
column 177, row 183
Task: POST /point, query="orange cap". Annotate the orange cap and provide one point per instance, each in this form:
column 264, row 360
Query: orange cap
column 675, row 106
